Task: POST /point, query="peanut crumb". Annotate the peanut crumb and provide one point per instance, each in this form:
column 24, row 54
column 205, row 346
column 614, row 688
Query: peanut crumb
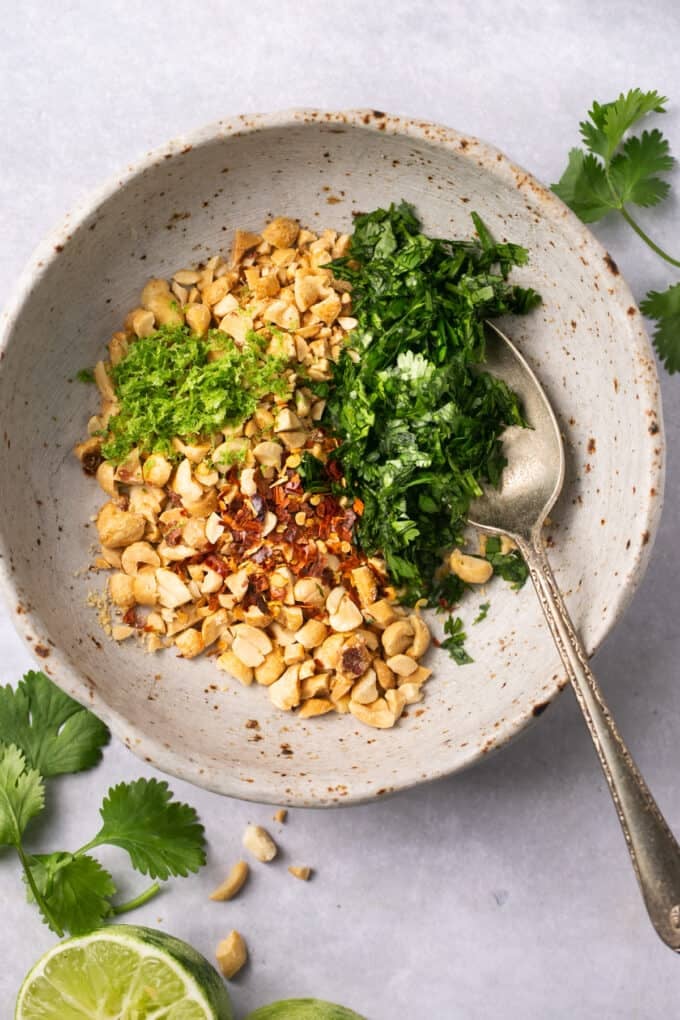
column 300, row 871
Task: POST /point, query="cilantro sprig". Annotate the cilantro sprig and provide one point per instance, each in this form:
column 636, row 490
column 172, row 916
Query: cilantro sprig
column 45, row 733
column 618, row 171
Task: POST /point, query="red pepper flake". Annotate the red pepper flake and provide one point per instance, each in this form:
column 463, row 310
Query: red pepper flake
column 328, row 529
column 132, row 620
column 216, row 563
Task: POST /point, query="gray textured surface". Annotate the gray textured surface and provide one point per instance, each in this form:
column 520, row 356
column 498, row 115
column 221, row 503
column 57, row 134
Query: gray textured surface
column 505, row 892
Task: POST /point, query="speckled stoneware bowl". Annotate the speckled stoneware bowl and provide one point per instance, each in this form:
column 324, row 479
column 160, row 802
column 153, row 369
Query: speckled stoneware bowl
column 180, row 205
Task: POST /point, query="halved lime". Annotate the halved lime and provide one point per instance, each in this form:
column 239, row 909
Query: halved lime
column 123, row 973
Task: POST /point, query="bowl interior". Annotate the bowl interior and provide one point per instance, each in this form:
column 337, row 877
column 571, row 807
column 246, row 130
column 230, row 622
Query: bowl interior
column 585, row 343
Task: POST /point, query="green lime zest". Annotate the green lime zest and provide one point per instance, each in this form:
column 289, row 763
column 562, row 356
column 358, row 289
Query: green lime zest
column 172, row 383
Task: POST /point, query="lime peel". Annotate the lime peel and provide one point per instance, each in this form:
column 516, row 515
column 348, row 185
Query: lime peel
column 303, row 1009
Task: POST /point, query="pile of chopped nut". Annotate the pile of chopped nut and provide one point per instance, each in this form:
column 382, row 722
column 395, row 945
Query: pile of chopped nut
column 220, row 548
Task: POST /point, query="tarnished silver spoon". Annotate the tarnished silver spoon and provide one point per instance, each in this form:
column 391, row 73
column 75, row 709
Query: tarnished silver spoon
column 531, row 484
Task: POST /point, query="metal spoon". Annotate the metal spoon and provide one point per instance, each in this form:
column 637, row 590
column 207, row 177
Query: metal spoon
column 531, row 484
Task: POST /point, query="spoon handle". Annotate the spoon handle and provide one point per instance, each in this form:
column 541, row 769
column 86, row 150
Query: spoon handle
column 653, row 848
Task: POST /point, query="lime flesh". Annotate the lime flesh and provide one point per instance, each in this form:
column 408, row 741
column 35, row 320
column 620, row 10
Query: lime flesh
column 123, row 973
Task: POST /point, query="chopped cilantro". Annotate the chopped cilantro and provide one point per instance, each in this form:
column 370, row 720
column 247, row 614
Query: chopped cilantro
column 447, row 591
column 168, row 386
column 420, row 422
column 510, row 566
column 455, row 642
column 85, row 375
column 313, row 473
column 482, row 612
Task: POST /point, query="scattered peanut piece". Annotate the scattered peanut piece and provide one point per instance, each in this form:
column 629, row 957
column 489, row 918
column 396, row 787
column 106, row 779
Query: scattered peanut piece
column 233, row 883
column 260, row 843
column 231, row 954
column 300, row 871
column 281, row 816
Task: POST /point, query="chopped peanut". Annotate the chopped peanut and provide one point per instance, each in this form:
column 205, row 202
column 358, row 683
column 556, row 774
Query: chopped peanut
column 259, row 842
column 233, row 883
column 214, row 544
column 300, row 871
column 231, row 955
column 472, row 569
column 118, row 527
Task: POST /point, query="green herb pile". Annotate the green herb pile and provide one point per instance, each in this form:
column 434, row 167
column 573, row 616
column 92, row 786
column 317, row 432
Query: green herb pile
column 420, row 422
column 44, row 733
column 167, row 386
column 620, row 170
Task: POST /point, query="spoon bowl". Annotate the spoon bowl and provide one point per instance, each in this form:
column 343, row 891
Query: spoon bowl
column 534, row 474
column 529, row 488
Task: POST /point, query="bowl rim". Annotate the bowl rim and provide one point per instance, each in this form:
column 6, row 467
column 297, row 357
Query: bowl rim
column 66, row 674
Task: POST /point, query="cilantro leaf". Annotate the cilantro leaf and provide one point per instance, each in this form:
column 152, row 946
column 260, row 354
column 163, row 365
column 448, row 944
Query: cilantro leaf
column 620, row 115
column 162, row 837
column 608, row 123
column 75, row 889
column 85, row 375
column 593, row 131
column 583, row 187
column 22, row 795
column 633, row 171
column 455, row 642
column 54, row 732
column 664, row 306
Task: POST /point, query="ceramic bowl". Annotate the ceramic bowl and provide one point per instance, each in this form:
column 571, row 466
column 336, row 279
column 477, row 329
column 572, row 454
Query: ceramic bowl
column 181, row 204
